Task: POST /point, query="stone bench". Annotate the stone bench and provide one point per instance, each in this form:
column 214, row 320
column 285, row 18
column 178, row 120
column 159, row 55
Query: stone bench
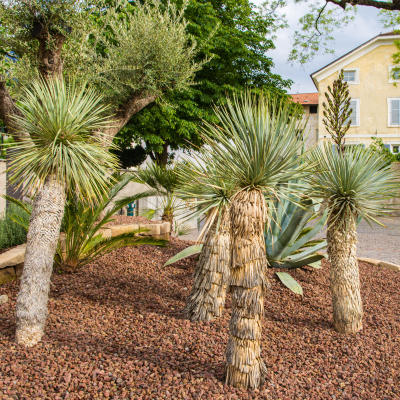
column 12, row 261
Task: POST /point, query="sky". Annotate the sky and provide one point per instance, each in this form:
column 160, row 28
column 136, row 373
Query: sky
column 365, row 27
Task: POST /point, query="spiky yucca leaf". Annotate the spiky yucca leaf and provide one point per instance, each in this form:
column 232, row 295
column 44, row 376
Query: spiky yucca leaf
column 355, row 184
column 60, row 136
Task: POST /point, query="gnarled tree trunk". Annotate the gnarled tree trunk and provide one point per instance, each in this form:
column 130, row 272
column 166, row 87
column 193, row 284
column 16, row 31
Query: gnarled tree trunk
column 344, row 276
column 210, row 280
column 248, row 281
column 43, row 234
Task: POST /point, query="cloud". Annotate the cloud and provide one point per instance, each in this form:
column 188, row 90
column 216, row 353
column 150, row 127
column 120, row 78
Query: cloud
column 365, row 27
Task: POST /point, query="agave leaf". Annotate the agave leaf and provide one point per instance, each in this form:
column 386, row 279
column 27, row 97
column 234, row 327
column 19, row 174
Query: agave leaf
column 189, row 251
column 301, row 242
column 289, row 264
column 316, row 265
column 290, row 283
column 297, row 222
column 308, row 251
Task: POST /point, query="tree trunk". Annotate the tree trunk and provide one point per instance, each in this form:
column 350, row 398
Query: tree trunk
column 248, row 281
column 43, row 234
column 344, row 277
column 206, row 300
column 49, row 55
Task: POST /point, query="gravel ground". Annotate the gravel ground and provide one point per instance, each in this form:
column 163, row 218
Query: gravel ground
column 115, row 331
column 124, row 219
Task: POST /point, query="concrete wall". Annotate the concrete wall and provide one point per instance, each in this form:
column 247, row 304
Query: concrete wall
column 373, row 90
column 2, row 185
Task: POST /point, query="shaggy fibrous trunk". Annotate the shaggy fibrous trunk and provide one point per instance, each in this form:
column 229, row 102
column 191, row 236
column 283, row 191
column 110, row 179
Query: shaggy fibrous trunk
column 206, row 300
column 43, row 234
column 344, row 277
column 248, row 282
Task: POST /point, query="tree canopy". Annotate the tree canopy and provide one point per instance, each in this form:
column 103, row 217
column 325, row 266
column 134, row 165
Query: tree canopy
column 236, row 36
column 132, row 52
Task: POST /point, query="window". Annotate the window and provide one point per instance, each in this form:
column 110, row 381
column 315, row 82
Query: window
column 351, row 76
column 355, row 113
column 395, row 148
column 313, row 109
column 394, row 76
column 394, row 112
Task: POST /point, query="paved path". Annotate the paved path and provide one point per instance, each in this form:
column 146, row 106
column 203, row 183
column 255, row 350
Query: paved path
column 379, row 243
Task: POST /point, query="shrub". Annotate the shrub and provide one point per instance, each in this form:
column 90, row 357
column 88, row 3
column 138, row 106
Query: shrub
column 12, row 233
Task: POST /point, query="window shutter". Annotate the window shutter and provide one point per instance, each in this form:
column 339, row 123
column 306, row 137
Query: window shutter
column 387, row 146
column 353, row 115
column 394, row 112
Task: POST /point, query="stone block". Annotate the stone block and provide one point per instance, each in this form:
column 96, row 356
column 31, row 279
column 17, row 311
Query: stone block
column 369, row 261
column 120, row 229
column 164, row 236
column 107, row 233
column 152, row 229
column 165, row 227
column 13, row 257
column 18, row 269
column 3, row 299
column 388, row 265
column 7, row 275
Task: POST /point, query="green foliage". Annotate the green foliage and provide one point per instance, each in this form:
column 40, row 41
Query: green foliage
column 289, row 242
column 121, row 47
column 59, row 137
column 131, row 157
column 6, row 143
column 378, row 147
column 236, row 36
column 337, row 112
column 164, row 181
column 12, row 233
column 354, row 185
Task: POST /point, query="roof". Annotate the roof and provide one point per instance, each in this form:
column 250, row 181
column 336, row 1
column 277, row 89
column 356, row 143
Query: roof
column 305, row 98
column 385, row 35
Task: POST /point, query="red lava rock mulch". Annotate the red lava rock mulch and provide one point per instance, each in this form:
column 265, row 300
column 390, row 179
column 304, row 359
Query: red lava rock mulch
column 124, row 220
column 115, row 331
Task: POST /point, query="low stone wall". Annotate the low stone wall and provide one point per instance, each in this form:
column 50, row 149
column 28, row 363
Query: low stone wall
column 12, row 261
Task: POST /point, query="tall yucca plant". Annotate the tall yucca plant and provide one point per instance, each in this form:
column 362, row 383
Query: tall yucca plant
column 207, row 298
column 163, row 180
column 60, row 151
column 354, row 184
column 254, row 149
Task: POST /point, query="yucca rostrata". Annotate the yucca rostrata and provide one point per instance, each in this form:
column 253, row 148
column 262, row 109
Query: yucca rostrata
column 210, row 280
column 59, row 151
column 354, row 184
column 253, row 150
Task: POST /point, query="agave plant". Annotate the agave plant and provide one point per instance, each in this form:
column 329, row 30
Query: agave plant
column 353, row 184
column 289, row 242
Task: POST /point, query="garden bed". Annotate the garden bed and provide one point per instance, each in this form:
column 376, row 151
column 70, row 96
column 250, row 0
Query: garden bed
column 116, row 331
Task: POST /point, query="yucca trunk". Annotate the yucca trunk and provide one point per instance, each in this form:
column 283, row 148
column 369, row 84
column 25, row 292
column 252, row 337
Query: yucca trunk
column 248, row 282
column 344, row 276
column 43, row 234
column 210, row 280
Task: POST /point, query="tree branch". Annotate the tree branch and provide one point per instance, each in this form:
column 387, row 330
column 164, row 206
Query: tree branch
column 371, row 3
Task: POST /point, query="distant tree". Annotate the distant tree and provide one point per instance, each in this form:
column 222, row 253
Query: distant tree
column 132, row 52
column 337, row 112
column 237, row 36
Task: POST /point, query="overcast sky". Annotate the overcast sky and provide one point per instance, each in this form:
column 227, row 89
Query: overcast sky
column 365, row 27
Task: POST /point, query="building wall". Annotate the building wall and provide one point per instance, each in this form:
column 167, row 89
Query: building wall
column 311, row 127
column 373, row 91
column 2, row 185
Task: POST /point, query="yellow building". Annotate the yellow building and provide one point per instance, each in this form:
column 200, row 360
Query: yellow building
column 375, row 99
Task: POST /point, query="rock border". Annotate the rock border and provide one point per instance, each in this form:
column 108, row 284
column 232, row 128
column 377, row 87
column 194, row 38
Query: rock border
column 381, row 264
column 12, row 261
